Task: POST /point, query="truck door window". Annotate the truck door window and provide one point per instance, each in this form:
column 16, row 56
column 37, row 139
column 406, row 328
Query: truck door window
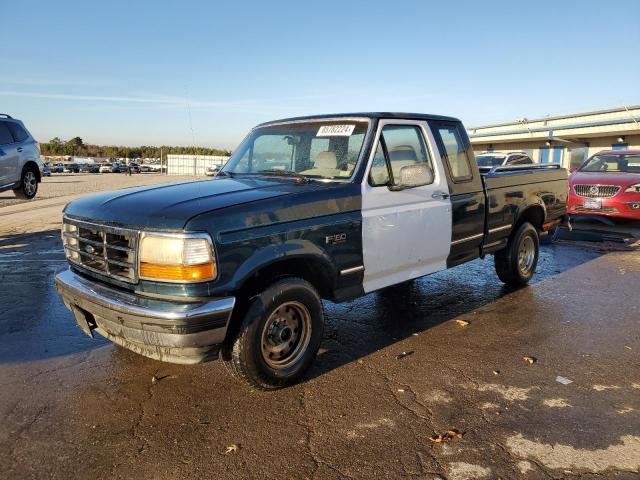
column 379, row 173
column 399, row 146
column 456, row 153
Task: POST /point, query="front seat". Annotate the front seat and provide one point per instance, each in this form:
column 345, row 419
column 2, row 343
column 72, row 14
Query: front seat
column 325, row 164
column 401, row 156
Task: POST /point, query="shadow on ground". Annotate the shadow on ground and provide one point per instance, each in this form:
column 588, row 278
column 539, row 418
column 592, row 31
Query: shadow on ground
column 34, row 324
column 368, row 324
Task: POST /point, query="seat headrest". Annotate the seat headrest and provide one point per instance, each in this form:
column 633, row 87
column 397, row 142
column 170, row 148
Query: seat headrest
column 326, row 160
column 403, row 152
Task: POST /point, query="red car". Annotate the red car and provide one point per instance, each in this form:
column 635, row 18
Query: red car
column 607, row 184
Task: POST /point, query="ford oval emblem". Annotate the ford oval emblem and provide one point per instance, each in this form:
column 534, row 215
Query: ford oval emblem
column 594, row 190
column 89, row 249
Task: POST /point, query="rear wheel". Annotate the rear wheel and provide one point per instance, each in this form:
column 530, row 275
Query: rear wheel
column 279, row 337
column 28, row 184
column 516, row 263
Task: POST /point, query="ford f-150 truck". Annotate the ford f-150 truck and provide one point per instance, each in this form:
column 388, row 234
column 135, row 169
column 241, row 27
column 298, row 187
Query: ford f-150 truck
column 327, row 207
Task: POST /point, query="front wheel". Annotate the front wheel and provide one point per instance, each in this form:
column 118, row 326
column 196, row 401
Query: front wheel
column 279, row 337
column 516, row 263
column 28, row 184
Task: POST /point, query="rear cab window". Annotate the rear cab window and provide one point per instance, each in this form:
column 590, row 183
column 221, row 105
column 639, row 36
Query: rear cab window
column 455, row 151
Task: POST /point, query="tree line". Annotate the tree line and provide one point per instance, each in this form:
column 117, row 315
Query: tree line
column 76, row 147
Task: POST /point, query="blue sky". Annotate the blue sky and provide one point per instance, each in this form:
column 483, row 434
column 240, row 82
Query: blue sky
column 184, row 73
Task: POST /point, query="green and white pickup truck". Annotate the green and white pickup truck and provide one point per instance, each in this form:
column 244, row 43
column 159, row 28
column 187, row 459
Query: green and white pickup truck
column 327, row 207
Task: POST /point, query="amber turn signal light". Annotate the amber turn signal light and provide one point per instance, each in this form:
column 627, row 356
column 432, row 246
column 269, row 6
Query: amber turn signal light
column 178, row 273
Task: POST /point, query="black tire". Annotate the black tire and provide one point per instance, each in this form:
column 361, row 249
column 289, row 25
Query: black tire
column 268, row 352
column 516, row 263
column 28, row 184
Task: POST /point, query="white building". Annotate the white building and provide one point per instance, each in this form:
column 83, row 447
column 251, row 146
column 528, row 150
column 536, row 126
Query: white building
column 566, row 139
column 192, row 164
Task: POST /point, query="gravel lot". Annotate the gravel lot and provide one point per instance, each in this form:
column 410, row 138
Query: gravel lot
column 45, row 211
column 63, row 184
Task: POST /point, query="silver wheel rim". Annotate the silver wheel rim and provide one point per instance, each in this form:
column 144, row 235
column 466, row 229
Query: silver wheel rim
column 30, row 183
column 526, row 255
column 286, row 335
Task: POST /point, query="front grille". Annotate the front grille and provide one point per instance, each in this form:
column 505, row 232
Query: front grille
column 596, row 210
column 596, row 191
column 102, row 249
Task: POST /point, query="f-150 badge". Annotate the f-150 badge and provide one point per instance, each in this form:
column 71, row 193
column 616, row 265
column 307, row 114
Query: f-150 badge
column 336, row 238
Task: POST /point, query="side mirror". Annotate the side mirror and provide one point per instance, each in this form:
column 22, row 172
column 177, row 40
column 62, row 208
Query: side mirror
column 573, row 169
column 413, row 176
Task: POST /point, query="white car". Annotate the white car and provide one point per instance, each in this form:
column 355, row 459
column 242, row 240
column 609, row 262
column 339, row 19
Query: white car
column 212, row 170
column 106, row 168
column 499, row 159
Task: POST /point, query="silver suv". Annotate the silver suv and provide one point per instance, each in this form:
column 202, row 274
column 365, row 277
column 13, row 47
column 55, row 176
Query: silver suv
column 20, row 164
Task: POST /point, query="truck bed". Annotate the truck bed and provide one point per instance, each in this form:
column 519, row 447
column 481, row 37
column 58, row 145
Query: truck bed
column 510, row 189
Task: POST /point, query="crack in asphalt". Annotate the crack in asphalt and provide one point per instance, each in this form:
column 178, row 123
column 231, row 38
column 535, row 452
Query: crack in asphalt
column 25, row 428
column 393, row 385
column 315, row 457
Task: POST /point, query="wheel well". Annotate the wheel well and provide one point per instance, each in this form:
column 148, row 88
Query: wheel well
column 316, row 272
column 534, row 215
column 31, row 165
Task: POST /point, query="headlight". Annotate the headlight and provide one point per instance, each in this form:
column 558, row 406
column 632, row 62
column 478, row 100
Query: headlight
column 176, row 258
column 70, row 239
column 633, row 188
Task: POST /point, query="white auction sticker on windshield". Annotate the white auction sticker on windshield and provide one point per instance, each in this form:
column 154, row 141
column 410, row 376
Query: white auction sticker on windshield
column 335, row 131
column 633, row 164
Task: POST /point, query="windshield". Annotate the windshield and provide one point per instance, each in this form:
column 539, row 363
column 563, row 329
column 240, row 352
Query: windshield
column 612, row 163
column 490, row 160
column 319, row 149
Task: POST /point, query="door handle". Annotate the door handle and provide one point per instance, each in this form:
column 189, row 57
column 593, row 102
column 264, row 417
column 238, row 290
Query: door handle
column 19, row 149
column 439, row 194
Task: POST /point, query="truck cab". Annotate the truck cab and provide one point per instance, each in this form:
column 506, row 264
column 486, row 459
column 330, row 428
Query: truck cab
column 327, row 207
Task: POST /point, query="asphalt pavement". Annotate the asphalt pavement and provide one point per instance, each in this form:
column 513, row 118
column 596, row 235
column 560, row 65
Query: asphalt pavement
column 397, row 368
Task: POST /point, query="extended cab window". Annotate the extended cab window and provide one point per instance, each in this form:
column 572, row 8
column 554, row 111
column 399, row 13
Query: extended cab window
column 456, row 153
column 399, row 146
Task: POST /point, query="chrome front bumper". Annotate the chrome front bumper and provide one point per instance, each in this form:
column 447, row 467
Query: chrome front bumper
column 176, row 332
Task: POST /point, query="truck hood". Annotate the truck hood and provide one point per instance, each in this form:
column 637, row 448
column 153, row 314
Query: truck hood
column 170, row 206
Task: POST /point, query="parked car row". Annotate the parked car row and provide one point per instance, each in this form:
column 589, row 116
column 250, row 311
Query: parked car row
column 96, row 168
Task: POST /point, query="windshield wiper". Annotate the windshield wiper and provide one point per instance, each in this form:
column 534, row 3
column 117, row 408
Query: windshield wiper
column 225, row 173
column 284, row 173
